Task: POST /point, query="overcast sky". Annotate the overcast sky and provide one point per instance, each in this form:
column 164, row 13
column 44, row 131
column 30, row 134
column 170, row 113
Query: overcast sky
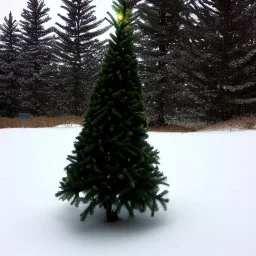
column 16, row 6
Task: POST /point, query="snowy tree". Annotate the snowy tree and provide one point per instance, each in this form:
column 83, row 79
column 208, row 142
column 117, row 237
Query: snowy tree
column 79, row 52
column 9, row 82
column 112, row 165
column 159, row 35
column 220, row 56
column 35, row 58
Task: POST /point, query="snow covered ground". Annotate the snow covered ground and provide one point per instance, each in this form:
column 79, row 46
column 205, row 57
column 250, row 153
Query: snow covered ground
column 68, row 126
column 212, row 209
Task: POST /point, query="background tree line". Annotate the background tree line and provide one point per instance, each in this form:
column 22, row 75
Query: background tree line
column 197, row 59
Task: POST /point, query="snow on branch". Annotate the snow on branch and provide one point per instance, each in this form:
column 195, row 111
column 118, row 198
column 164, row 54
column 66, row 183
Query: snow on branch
column 241, row 61
column 234, row 88
column 245, row 101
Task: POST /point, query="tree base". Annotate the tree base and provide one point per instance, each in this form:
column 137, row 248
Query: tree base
column 111, row 216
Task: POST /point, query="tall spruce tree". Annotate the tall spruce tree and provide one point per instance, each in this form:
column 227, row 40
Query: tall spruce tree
column 220, row 57
column 78, row 49
column 36, row 57
column 9, row 82
column 159, row 37
column 112, row 164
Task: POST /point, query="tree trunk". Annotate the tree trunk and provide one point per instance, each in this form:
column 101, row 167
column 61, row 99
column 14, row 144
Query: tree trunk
column 160, row 119
column 111, row 216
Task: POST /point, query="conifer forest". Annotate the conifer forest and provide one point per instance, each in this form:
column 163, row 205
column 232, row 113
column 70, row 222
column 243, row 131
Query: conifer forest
column 196, row 59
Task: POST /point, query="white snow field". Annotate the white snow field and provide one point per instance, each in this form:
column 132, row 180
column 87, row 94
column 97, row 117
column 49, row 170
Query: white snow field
column 212, row 209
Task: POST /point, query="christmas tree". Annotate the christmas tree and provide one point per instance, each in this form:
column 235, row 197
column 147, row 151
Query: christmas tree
column 113, row 165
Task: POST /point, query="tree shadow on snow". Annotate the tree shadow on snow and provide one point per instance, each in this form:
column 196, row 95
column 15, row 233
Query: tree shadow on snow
column 96, row 225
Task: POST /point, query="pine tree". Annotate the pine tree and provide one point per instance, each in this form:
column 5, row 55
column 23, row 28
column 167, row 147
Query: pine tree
column 159, row 38
column 9, row 51
column 221, row 56
column 112, row 164
column 36, row 56
column 78, row 49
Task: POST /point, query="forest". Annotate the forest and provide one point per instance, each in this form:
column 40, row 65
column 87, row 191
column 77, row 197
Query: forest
column 197, row 59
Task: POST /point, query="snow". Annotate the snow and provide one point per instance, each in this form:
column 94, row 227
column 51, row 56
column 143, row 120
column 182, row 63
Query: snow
column 68, row 125
column 211, row 212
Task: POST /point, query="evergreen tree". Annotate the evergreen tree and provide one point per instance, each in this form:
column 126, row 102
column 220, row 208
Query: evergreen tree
column 9, row 84
column 220, row 57
column 112, row 164
column 78, row 49
column 36, row 57
column 159, row 37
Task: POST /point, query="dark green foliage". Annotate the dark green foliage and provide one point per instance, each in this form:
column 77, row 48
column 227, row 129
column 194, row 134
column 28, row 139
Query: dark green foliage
column 35, row 57
column 159, row 36
column 112, row 163
column 9, row 51
column 79, row 51
column 220, row 56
